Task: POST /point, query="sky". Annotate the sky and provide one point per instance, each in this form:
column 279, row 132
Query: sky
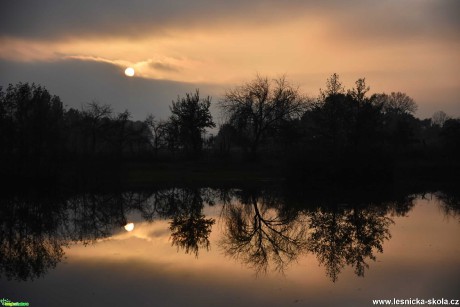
column 80, row 49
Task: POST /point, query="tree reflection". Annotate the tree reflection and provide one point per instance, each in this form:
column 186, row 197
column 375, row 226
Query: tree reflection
column 348, row 236
column 30, row 243
column 34, row 229
column 259, row 235
column 448, row 202
column 190, row 229
column 264, row 229
column 191, row 232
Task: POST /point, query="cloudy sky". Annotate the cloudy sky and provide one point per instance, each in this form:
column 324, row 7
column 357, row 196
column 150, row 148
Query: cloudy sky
column 79, row 49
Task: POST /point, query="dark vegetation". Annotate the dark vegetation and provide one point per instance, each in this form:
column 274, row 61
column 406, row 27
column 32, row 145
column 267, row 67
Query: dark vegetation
column 270, row 130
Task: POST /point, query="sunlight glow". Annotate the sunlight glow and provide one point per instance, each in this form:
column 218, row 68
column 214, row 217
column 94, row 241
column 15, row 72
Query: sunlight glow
column 129, row 71
column 129, row 226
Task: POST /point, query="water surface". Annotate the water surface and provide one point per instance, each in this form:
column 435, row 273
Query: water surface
column 228, row 247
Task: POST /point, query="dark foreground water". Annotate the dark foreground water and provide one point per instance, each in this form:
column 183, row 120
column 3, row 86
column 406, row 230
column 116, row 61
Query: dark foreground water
column 228, row 247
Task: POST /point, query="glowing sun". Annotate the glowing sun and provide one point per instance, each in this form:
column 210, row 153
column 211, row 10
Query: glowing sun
column 129, row 226
column 129, row 71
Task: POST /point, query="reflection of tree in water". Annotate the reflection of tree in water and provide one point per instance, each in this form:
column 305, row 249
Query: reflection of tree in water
column 260, row 235
column 449, row 203
column 191, row 232
column 400, row 206
column 350, row 236
column 93, row 216
column 190, row 229
column 263, row 229
column 34, row 229
column 30, row 243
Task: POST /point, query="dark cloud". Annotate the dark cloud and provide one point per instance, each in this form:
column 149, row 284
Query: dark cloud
column 397, row 21
column 52, row 19
column 55, row 18
column 80, row 82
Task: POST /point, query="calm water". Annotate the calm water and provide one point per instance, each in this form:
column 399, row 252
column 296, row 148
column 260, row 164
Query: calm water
column 228, row 247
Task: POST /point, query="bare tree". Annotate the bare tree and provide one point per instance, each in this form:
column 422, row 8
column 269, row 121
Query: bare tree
column 95, row 117
column 439, row 118
column 398, row 103
column 158, row 130
column 260, row 106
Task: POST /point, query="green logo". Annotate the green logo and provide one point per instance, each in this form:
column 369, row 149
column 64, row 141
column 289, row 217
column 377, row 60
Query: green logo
column 6, row 302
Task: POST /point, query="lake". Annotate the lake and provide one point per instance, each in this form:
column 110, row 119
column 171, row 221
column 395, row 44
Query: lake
column 188, row 246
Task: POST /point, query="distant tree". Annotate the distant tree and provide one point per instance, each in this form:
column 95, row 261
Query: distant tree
column 358, row 93
column 342, row 121
column 191, row 116
column 439, row 118
column 333, row 87
column 96, row 119
column 259, row 107
column 158, row 132
column 398, row 103
column 329, row 121
column 399, row 123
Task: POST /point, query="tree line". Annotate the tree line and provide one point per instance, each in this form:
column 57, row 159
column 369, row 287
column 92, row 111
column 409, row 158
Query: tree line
column 341, row 130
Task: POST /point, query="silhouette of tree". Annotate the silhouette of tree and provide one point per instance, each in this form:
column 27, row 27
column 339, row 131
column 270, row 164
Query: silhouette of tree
column 31, row 129
column 333, row 120
column 397, row 103
column 358, row 93
column 398, row 123
column 333, row 87
column 96, row 119
column 342, row 121
column 257, row 108
column 120, row 133
column 191, row 116
column 439, row 118
column 158, row 133
column 106, row 134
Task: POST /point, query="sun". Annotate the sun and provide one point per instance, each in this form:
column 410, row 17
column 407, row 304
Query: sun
column 129, row 71
column 129, row 227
